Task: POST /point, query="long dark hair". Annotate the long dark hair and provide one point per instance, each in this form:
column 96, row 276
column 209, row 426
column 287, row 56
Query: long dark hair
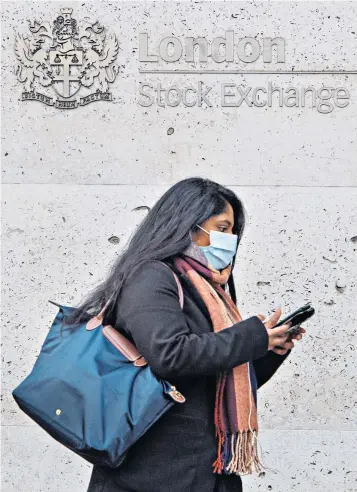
column 162, row 234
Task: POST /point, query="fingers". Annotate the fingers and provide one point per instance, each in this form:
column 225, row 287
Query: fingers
column 288, row 345
column 277, row 336
column 274, row 318
column 282, row 348
column 280, row 340
column 299, row 335
column 280, row 330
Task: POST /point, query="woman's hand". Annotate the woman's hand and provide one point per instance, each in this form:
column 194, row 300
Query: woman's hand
column 280, row 341
column 289, row 344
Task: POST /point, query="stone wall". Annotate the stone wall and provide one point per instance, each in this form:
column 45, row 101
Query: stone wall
column 73, row 177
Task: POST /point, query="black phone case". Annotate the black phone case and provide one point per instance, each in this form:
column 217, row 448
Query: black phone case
column 297, row 317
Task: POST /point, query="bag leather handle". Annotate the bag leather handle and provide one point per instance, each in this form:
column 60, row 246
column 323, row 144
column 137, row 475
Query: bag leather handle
column 119, row 341
column 125, row 346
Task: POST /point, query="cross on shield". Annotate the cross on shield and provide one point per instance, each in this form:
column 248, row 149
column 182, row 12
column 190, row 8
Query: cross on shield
column 66, row 80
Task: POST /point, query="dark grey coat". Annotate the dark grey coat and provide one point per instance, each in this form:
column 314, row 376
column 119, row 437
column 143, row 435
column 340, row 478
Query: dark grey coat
column 177, row 452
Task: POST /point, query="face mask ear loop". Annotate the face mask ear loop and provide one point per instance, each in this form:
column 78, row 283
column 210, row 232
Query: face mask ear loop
column 202, row 229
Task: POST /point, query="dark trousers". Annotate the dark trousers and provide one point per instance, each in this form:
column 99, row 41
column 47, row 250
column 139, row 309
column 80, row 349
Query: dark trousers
column 224, row 484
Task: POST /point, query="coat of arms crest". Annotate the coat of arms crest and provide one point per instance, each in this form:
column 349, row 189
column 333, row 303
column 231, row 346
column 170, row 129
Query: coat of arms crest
column 64, row 58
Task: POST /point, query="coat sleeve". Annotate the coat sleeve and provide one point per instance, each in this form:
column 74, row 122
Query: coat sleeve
column 265, row 367
column 148, row 309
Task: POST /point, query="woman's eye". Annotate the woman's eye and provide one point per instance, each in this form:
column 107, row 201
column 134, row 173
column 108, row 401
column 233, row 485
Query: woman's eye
column 222, row 229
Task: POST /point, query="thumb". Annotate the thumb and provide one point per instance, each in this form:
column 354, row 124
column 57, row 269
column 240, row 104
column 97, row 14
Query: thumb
column 274, row 318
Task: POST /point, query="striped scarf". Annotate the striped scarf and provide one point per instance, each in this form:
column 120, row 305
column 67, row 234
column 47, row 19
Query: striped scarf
column 235, row 412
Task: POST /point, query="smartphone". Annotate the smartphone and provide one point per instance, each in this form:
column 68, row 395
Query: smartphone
column 297, row 317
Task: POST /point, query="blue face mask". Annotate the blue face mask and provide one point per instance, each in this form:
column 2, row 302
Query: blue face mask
column 221, row 250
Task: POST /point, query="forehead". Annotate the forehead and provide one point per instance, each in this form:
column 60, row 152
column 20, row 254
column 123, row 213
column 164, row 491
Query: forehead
column 227, row 214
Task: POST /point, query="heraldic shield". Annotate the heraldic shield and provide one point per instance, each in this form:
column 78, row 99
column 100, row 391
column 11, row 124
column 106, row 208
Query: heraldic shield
column 67, row 71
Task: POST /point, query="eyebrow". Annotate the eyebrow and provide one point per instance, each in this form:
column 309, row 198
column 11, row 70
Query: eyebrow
column 227, row 221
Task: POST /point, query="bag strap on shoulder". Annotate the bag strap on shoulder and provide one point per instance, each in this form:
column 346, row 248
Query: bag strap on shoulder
column 179, row 286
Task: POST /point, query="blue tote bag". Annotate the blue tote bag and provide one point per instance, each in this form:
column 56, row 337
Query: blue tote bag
column 92, row 391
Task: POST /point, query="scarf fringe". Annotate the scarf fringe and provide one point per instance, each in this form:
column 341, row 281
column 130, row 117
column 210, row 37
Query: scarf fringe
column 237, row 454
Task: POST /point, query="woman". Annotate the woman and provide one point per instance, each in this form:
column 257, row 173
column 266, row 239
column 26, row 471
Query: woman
column 212, row 356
